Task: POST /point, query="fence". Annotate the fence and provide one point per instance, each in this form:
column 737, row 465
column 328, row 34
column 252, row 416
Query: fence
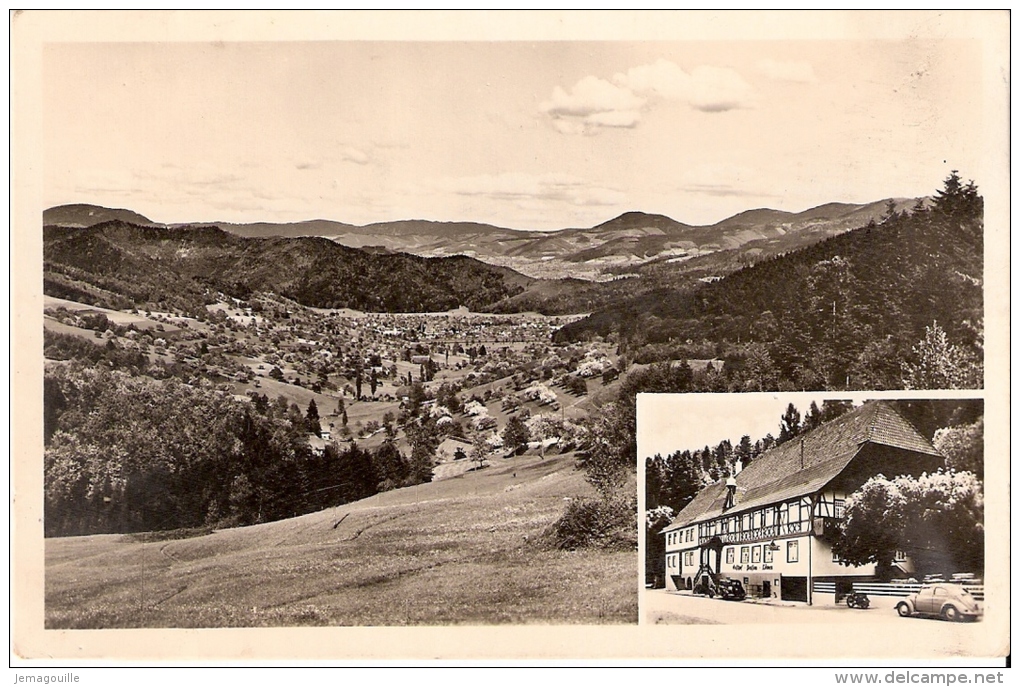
column 977, row 589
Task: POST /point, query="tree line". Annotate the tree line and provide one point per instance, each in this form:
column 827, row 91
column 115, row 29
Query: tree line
column 126, row 453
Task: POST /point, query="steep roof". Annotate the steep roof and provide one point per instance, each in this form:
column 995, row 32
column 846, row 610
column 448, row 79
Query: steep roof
column 807, row 463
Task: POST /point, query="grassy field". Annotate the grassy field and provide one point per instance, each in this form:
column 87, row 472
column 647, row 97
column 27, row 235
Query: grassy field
column 116, row 316
column 466, row 550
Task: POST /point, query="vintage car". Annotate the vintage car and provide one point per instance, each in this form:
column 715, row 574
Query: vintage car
column 731, row 590
column 941, row 599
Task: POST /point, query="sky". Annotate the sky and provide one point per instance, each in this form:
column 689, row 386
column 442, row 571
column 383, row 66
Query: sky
column 673, row 422
column 521, row 134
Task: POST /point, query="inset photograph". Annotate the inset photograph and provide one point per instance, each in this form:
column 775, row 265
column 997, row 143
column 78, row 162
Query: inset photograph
column 794, row 508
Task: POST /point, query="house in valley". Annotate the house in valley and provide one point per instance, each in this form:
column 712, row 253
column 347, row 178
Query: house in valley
column 771, row 526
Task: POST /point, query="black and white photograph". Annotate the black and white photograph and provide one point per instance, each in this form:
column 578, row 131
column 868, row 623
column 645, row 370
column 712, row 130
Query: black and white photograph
column 808, row 508
column 494, row 321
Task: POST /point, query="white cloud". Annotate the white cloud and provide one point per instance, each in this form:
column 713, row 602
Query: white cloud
column 593, row 104
column 801, row 72
column 717, row 89
column 705, row 88
column 625, row 119
column 591, row 95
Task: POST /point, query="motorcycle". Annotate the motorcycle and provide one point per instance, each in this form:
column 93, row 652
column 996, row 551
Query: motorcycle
column 856, row 600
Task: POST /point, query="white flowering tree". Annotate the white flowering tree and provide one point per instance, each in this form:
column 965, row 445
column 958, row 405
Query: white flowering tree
column 937, row 519
column 938, row 364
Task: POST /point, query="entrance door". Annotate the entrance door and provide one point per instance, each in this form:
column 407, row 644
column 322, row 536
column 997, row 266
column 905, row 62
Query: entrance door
column 766, row 589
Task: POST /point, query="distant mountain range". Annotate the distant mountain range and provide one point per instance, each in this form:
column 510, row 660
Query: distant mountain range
column 619, row 246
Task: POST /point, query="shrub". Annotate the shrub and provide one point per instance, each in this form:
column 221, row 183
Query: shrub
column 590, row 523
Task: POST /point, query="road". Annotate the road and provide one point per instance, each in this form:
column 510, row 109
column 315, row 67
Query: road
column 875, row 631
column 661, row 607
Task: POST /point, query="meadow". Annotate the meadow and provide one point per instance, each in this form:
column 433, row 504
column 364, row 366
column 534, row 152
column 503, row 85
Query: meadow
column 470, row 550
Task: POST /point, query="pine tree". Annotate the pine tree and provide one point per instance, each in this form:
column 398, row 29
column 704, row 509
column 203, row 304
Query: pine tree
column 789, row 424
column 515, row 434
column 312, row 419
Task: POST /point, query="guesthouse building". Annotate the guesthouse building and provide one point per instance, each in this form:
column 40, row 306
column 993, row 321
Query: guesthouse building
column 772, row 525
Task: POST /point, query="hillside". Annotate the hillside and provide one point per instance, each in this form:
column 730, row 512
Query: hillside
column 113, row 262
column 842, row 312
column 85, row 215
column 467, row 550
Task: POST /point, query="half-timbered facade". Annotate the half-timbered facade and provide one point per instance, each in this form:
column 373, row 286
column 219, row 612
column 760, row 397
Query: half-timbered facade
column 771, row 526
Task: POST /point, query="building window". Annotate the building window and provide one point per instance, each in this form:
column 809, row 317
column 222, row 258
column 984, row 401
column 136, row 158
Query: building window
column 689, row 559
column 729, row 555
column 784, row 514
column 724, row 526
column 756, row 555
column 745, row 554
column 768, row 553
column 838, row 507
column 792, row 551
column 900, row 557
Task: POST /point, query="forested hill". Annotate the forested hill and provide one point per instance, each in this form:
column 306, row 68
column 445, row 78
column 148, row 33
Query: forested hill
column 846, row 311
column 120, row 264
column 85, row 215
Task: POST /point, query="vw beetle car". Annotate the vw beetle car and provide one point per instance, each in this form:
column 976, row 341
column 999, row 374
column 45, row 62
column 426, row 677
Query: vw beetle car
column 941, row 599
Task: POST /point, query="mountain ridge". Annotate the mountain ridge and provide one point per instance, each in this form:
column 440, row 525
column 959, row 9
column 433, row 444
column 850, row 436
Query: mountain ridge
column 625, row 242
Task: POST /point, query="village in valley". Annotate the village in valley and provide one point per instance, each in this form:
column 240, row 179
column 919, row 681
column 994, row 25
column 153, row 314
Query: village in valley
column 362, row 371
